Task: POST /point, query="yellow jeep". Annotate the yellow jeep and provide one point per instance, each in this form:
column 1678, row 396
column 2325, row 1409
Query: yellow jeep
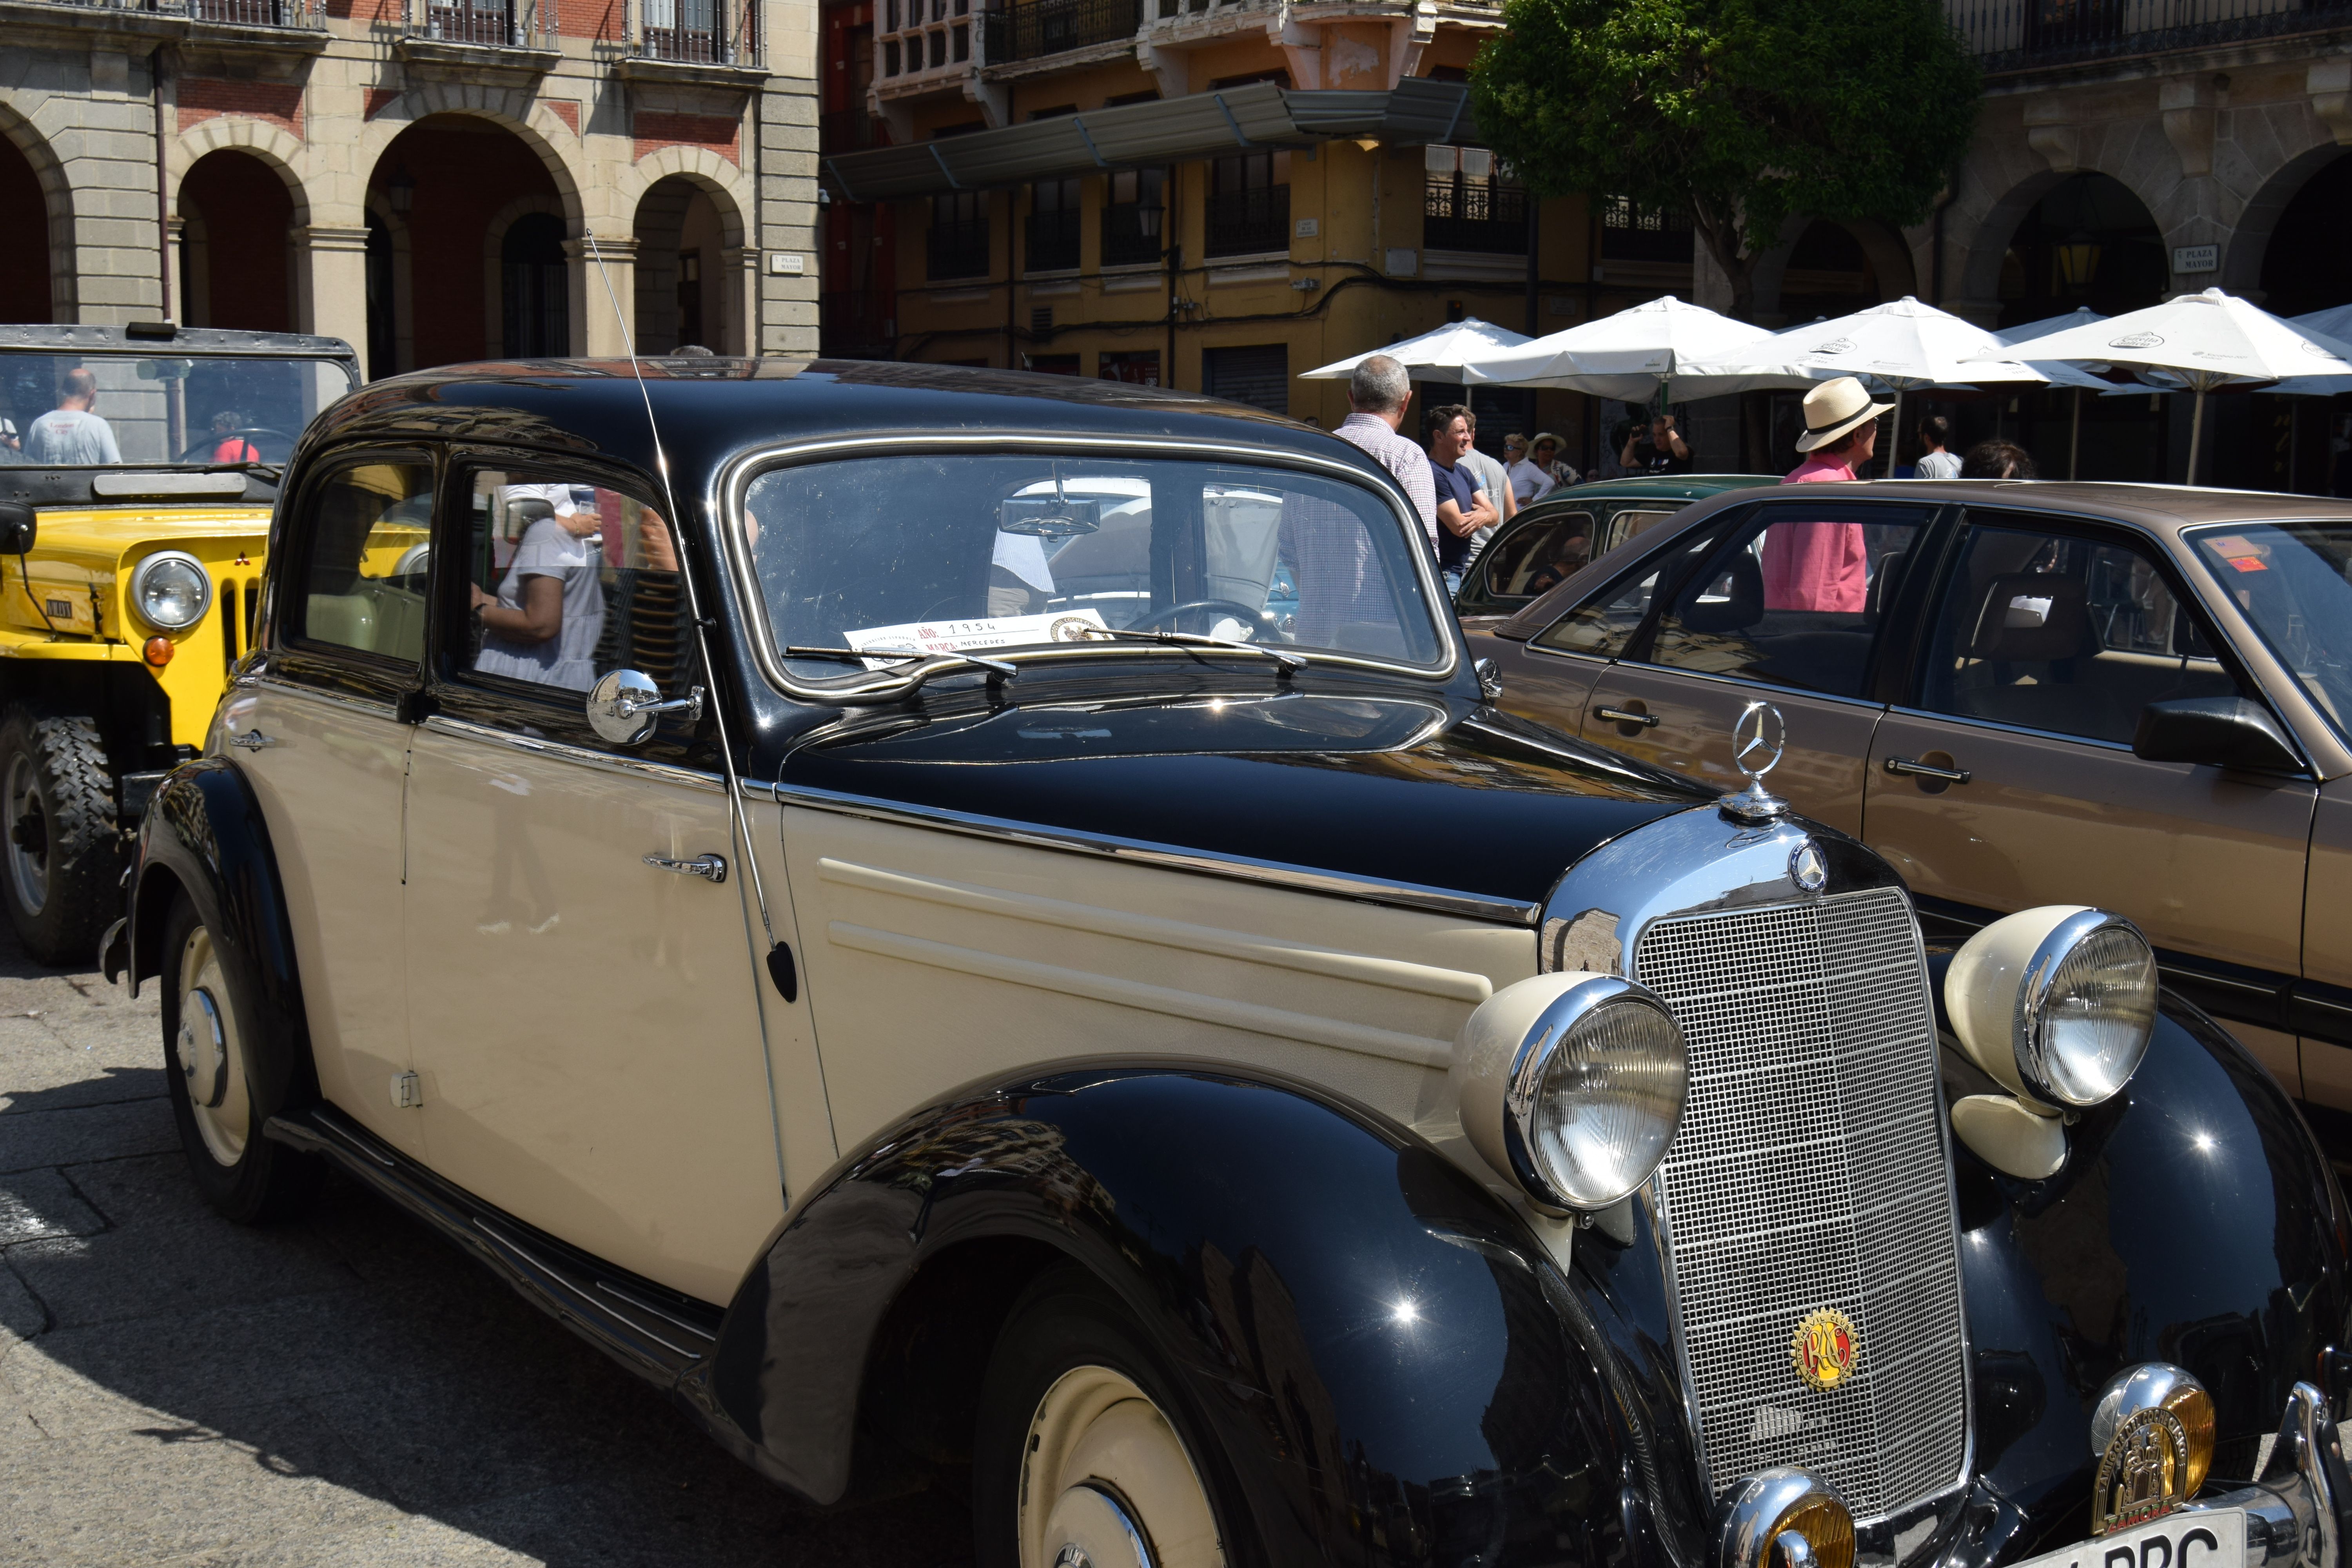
column 138, row 467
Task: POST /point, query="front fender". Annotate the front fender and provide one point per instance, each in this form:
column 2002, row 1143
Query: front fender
column 203, row 833
column 1390, row 1360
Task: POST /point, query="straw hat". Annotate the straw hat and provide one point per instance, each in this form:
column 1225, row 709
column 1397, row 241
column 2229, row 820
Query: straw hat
column 1835, row 407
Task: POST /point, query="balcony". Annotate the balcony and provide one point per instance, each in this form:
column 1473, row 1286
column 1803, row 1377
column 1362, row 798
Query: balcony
column 713, row 33
column 957, row 250
column 1050, row 241
column 1249, row 222
column 257, row 14
column 1034, row 31
column 199, row 19
column 481, row 24
column 1131, row 233
column 2022, row 35
column 1474, row 214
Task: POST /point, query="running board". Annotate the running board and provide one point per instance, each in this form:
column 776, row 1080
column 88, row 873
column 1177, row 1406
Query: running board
column 652, row 1330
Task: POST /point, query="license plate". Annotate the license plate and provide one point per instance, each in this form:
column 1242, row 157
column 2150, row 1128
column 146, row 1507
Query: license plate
column 2216, row 1539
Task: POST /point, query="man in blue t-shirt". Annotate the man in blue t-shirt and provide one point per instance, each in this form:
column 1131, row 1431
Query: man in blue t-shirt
column 1462, row 509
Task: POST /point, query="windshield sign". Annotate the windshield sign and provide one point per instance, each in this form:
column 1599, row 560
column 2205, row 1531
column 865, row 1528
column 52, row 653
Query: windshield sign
column 955, row 553
column 91, row 410
column 2294, row 581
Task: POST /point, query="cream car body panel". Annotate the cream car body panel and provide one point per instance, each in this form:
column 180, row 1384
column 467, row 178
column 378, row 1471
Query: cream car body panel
column 329, row 771
column 947, row 957
column 569, row 1069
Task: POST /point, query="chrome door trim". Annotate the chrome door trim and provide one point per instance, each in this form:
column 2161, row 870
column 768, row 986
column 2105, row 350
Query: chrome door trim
column 1745, row 683
column 1997, row 727
column 539, row 745
column 735, row 479
column 1400, row 895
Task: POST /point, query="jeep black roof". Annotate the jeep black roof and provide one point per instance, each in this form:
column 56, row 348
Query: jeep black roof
column 163, row 336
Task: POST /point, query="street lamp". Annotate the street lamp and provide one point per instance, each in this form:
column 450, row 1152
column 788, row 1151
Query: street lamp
column 2078, row 261
column 400, row 191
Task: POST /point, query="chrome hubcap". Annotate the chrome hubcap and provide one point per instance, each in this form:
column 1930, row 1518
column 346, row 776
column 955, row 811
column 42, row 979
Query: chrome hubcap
column 212, row 1054
column 1106, row 1482
column 28, row 837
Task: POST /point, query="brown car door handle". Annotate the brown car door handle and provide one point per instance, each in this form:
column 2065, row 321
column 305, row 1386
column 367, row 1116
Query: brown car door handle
column 1625, row 716
column 1903, row 767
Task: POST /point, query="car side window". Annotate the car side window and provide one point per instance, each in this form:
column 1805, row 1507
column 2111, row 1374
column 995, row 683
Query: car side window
column 567, row 580
column 1604, row 625
column 1631, row 522
column 362, row 579
column 1541, row 556
column 1794, row 597
column 2060, row 633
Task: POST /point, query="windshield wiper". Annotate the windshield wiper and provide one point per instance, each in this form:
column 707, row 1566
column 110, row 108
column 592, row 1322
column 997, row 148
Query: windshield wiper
column 849, row 690
column 1288, row 661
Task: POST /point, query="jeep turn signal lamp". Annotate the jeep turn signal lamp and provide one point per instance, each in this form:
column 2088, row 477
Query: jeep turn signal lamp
column 2057, row 1005
column 1572, row 1086
column 158, row 651
column 1785, row 1518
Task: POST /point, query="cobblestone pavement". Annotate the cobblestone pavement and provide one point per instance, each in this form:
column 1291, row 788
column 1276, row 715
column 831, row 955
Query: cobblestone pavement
column 345, row 1390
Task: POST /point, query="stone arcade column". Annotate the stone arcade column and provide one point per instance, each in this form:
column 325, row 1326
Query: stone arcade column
column 332, row 273
column 596, row 331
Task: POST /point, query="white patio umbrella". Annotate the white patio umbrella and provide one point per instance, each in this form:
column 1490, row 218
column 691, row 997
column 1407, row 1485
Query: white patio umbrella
column 1433, row 356
column 2058, row 373
column 1636, row 352
column 2200, row 342
column 1906, row 347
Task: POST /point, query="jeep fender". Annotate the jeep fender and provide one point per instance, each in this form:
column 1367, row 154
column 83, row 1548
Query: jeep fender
column 1393, row 1364
column 203, row 833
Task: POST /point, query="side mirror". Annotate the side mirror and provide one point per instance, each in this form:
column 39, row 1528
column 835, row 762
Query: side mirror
column 16, row 521
column 621, row 705
column 2216, row 731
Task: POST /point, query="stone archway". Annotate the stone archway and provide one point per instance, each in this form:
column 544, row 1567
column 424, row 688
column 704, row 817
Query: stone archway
column 2087, row 241
column 685, row 260
column 2288, row 251
column 1824, row 267
column 237, row 265
column 36, row 261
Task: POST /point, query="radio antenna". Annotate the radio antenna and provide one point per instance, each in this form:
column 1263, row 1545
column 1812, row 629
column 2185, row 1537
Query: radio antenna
column 739, row 820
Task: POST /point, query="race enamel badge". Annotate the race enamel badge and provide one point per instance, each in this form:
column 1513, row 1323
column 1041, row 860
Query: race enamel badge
column 2141, row 1473
column 1823, row 1348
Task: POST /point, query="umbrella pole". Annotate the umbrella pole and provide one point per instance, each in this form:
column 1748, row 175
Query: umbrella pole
column 1895, row 437
column 2075, row 442
column 2196, row 434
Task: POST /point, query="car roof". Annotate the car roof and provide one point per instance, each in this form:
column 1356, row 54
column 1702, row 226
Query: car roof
column 1653, row 486
column 2164, row 510
column 711, row 410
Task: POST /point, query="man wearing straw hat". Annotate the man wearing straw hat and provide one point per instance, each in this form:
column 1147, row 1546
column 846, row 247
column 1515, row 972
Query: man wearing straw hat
column 1825, row 565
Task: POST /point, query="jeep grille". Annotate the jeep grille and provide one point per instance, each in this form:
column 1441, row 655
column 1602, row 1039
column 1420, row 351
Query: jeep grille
column 1811, row 1171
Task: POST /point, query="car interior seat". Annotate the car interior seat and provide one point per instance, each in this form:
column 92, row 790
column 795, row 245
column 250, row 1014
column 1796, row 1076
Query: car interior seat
column 2028, row 649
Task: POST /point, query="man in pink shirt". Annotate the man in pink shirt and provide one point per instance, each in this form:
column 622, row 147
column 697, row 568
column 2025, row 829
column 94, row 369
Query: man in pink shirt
column 1824, row 565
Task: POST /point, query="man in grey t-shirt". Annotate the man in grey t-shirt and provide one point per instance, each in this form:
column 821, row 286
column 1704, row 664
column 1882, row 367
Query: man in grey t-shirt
column 70, row 436
column 1497, row 483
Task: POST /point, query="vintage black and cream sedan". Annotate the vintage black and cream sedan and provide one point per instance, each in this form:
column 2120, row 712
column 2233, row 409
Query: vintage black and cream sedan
column 847, row 885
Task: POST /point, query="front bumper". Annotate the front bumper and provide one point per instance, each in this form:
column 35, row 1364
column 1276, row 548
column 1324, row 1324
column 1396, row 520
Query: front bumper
column 2295, row 1509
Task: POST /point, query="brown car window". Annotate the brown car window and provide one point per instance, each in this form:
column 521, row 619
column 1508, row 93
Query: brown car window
column 1541, row 556
column 362, row 582
column 2056, row 632
column 1793, row 598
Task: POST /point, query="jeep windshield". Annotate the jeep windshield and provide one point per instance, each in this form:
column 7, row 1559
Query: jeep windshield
column 87, row 409
column 1073, row 556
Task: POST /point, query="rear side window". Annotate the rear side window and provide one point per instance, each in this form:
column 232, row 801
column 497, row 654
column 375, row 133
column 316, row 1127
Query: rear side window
column 361, row 586
column 1541, row 556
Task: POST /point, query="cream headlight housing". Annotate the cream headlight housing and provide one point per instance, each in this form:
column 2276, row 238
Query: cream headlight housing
column 171, row 589
column 1572, row 1084
column 2056, row 1004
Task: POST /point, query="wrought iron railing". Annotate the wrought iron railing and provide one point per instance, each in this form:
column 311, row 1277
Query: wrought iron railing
column 1462, row 214
column 958, row 249
column 1131, row 233
column 486, row 23
column 2018, row 34
column 303, row 13
column 695, row 32
column 1050, row 240
column 1169, row 9
column 1243, row 222
column 1032, row 31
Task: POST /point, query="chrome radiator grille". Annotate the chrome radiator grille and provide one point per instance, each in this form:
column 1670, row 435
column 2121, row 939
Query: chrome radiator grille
column 1810, row 1171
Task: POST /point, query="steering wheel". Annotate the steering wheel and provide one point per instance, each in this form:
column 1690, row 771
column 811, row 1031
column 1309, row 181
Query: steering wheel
column 202, row 451
column 1261, row 619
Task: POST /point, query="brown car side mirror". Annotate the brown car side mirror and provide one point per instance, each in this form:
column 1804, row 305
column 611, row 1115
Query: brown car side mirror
column 2215, row 732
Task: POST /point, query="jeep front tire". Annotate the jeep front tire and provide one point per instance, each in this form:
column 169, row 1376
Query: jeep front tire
column 62, row 849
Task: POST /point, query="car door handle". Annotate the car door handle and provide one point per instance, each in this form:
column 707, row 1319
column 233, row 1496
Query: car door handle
column 251, row 741
column 1903, row 767
column 1626, row 716
column 710, row 868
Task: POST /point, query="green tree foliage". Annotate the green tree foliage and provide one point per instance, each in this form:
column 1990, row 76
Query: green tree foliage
column 1740, row 112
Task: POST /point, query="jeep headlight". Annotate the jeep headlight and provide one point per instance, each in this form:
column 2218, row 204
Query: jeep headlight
column 2056, row 1004
column 1572, row 1084
column 171, row 589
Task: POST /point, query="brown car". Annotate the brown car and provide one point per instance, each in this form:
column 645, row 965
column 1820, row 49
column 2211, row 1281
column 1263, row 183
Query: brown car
column 2131, row 695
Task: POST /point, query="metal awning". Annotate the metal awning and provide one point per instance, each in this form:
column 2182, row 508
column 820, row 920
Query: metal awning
column 1171, row 131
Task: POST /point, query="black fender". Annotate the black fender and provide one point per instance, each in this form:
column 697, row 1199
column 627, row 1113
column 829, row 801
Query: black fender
column 2195, row 1221
column 203, row 833
column 1391, row 1360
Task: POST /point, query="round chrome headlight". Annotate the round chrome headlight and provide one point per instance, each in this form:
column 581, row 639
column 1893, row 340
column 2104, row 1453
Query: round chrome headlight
column 2057, row 1003
column 1572, row 1084
column 171, row 589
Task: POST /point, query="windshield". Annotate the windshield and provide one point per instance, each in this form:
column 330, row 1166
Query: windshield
column 955, row 553
column 97, row 410
column 2294, row 581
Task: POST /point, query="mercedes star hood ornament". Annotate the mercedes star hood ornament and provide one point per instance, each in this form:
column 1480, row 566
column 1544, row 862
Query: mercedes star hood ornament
column 1757, row 742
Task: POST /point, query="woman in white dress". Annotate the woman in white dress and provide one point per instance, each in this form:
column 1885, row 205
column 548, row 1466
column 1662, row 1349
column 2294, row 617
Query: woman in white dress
column 544, row 622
